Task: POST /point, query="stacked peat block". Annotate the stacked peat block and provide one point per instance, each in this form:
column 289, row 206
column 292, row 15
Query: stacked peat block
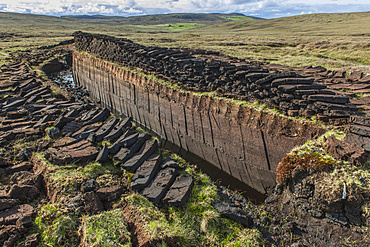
column 358, row 132
column 295, row 91
column 19, row 91
column 30, row 111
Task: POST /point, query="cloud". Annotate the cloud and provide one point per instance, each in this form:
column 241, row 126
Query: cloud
column 262, row 8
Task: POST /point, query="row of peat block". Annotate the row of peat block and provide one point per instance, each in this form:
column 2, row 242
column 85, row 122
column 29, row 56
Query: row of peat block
column 28, row 110
column 82, row 125
column 305, row 91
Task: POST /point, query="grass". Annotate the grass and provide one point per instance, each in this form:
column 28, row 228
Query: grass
column 181, row 26
column 238, row 18
column 105, row 229
column 58, row 225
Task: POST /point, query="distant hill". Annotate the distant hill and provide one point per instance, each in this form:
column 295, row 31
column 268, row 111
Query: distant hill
column 90, row 17
column 203, row 19
column 323, row 24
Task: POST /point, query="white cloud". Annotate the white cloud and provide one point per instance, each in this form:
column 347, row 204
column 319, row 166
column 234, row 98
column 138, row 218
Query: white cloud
column 263, row 8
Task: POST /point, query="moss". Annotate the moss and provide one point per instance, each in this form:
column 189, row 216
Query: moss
column 106, row 229
column 69, row 177
column 306, row 161
column 47, row 131
column 140, row 130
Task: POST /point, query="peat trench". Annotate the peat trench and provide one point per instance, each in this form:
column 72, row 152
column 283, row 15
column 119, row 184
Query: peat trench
column 30, row 108
column 65, row 80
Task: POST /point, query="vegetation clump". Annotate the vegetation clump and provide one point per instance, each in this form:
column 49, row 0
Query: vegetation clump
column 58, row 225
column 294, row 163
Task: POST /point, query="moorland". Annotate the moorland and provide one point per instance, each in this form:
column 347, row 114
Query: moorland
column 334, row 41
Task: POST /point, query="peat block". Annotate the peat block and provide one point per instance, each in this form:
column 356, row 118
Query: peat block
column 145, row 173
column 159, row 186
column 178, row 194
column 82, row 151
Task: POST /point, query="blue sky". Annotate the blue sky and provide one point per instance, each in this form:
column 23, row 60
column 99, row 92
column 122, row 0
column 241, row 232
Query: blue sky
column 258, row 8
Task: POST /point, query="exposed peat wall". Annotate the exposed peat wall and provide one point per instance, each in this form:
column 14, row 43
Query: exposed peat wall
column 240, row 140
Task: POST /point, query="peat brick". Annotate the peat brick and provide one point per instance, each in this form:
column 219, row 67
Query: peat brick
column 16, row 103
column 119, row 129
column 147, row 149
column 61, row 121
column 28, row 178
column 179, row 192
column 122, row 141
column 11, row 216
column 100, row 117
column 292, row 88
column 360, row 130
column 145, row 173
column 85, row 131
column 24, row 166
column 331, row 106
column 109, row 194
column 234, row 213
column 126, row 153
column 291, row 81
column 81, row 151
column 103, row 154
column 105, row 129
column 169, row 163
column 160, row 185
column 336, row 99
column 24, row 193
column 8, row 203
column 273, row 76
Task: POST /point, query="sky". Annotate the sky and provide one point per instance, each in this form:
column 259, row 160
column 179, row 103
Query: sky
column 258, row 8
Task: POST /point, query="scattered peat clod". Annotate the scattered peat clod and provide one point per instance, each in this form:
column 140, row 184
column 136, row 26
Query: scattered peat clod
column 234, row 213
column 103, row 154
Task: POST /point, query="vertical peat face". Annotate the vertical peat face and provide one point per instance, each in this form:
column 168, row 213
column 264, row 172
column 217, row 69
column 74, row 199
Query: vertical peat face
column 240, row 140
